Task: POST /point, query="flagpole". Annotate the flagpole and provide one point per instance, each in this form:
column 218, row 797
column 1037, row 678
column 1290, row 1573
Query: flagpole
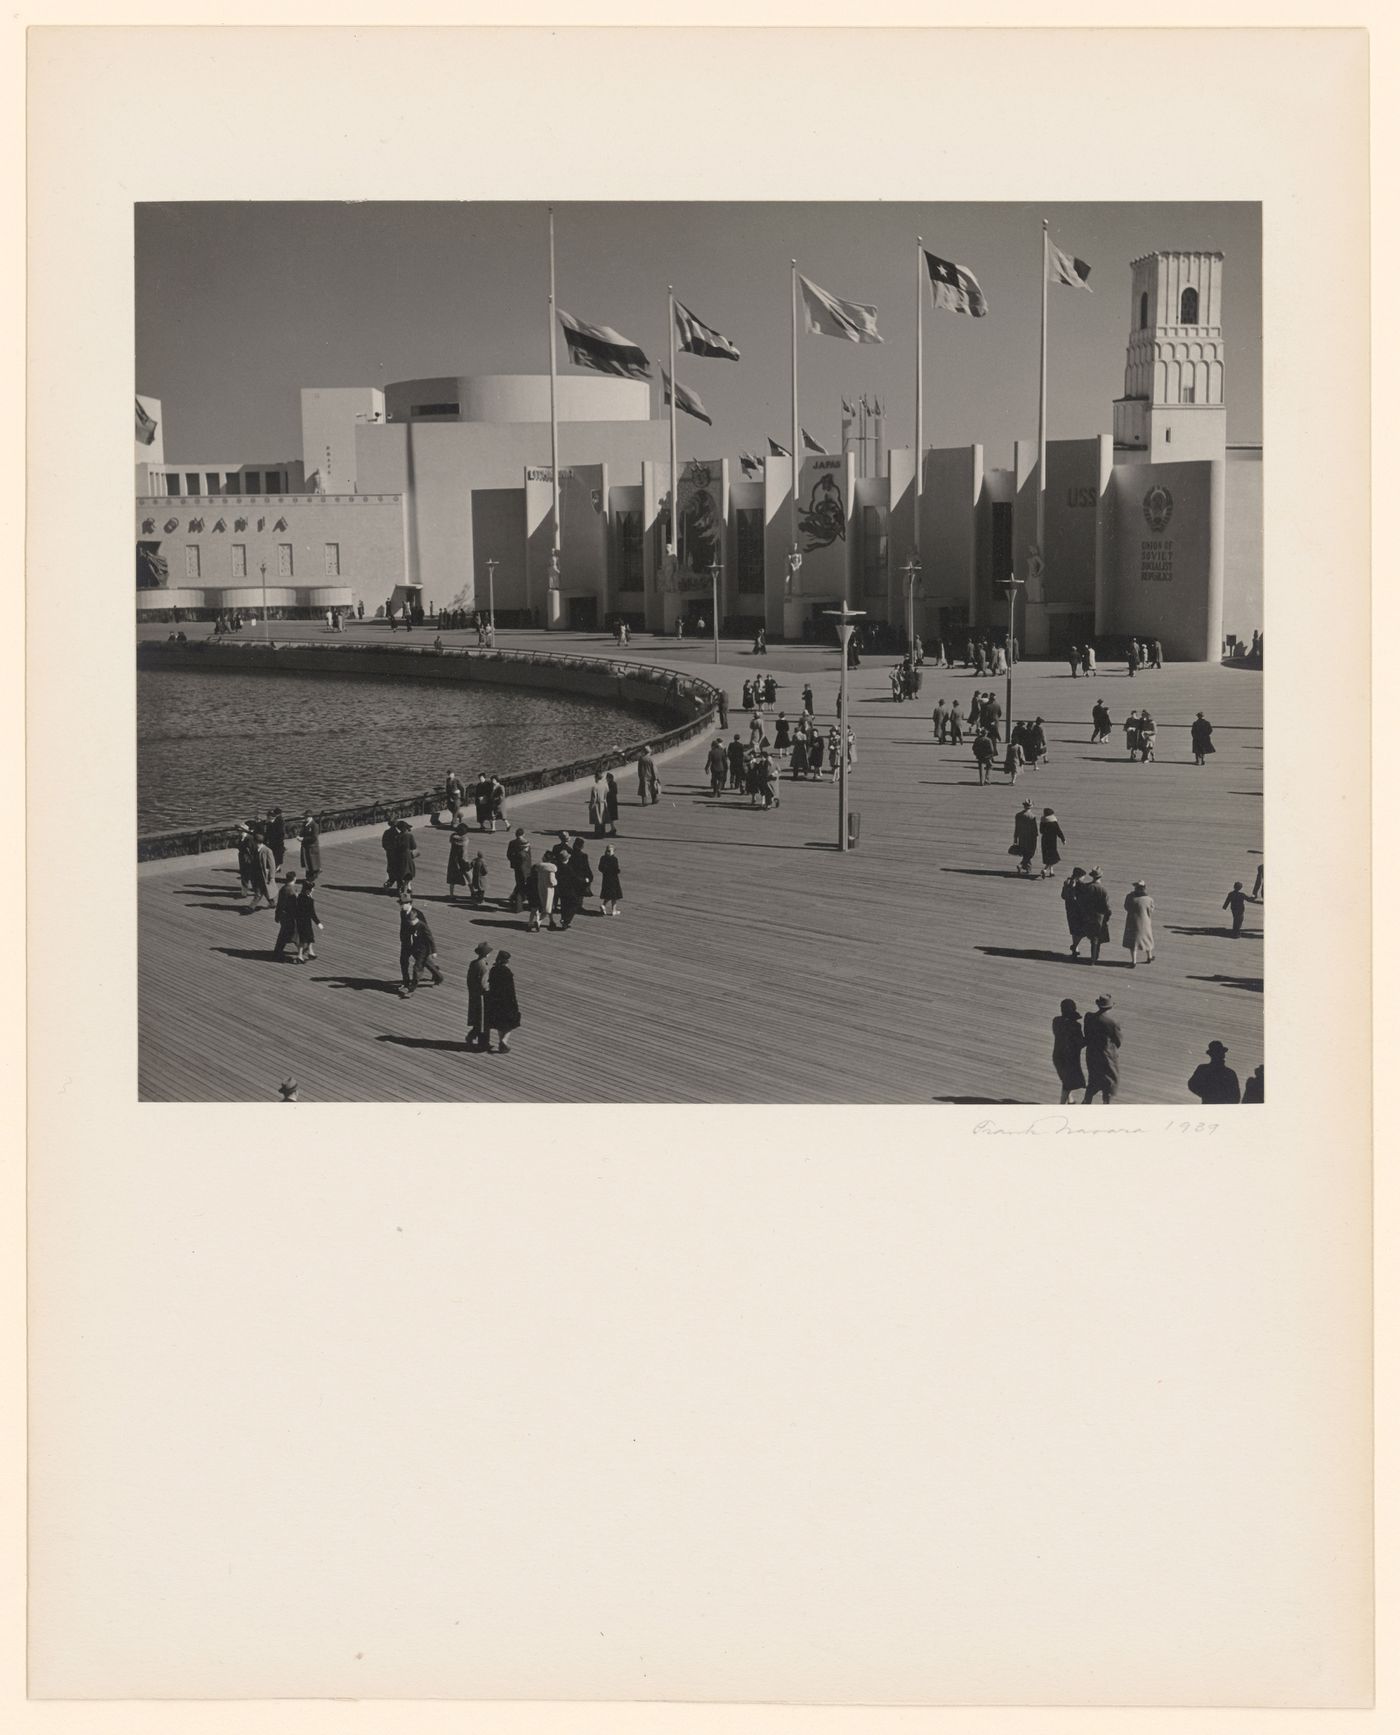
column 1040, row 464
column 675, row 473
column 796, row 432
column 918, row 387
column 552, row 597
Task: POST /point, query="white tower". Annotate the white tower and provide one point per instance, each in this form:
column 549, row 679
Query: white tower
column 1173, row 403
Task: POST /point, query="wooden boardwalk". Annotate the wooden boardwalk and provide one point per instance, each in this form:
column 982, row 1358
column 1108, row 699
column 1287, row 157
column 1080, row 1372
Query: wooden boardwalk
column 753, row 962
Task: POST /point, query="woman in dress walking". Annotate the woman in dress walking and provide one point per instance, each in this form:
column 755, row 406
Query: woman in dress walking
column 1069, row 1046
column 1137, row 929
column 502, row 1006
column 1051, row 837
column 610, row 874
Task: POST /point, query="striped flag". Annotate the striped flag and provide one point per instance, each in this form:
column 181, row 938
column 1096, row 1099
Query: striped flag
column 777, row 450
column 701, row 339
column 751, row 465
column 685, row 400
column 1064, row 269
column 145, row 425
column 829, row 316
column 604, row 350
column 811, row 445
column 954, row 287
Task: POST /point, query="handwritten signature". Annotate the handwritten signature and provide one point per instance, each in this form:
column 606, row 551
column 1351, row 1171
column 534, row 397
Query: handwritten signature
column 1050, row 1125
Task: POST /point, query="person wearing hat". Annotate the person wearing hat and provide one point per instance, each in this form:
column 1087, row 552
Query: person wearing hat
column 403, row 859
column 478, row 977
column 309, row 924
column 1137, row 929
column 1051, row 837
column 521, row 864
column 648, row 787
column 1131, row 735
column 1103, row 1037
column 544, row 878
column 262, row 871
column 1147, row 737
column 1201, row 733
column 245, row 856
column 1025, row 837
column 1213, row 1081
column 422, row 954
column 1070, row 894
column 575, row 882
column 502, row 1007
column 1254, row 1086
column 1094, row 912
column 984, row 752
column 285, row 911
column 310, row 844
column 1102, row 722
column 1068, row 1047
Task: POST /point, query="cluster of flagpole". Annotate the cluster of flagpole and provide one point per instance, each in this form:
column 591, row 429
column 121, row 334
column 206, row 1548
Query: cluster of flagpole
column 951, row 286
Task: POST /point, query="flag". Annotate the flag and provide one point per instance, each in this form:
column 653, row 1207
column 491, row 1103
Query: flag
column 777, row 450
column 831, row 317
column 1064, row 269
column 811, row 445
column 954, row 287
column 145, row 425
column 847, row 407
column 879, row 408
column 604, row 350
column 701, row 339
column 751, row 465
column 685, row 400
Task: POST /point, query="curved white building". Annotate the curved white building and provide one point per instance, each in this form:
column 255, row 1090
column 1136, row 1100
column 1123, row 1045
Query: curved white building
column 505, row 399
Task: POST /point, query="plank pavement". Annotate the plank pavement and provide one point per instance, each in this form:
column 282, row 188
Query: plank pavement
column 752, row 961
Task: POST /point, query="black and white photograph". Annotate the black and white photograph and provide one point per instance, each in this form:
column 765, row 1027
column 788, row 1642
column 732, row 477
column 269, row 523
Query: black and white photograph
column 479, row 760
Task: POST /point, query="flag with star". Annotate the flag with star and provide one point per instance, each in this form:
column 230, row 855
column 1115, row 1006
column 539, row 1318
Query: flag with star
column 954, row 287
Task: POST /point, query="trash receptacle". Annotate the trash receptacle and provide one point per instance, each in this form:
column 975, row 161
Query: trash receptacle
column 852, row 830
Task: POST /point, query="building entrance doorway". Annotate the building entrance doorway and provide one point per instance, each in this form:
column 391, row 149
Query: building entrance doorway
column 583, row 614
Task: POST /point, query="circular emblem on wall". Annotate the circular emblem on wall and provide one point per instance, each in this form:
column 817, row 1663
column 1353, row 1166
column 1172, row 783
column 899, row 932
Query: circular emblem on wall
column 1157, row 508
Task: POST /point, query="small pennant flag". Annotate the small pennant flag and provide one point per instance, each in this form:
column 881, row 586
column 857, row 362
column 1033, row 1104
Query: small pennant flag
column 604, row 350
column 685, row 400
column 847, row 407
column 751, row 465
column 777, row 450
column 701, row 339
column 811, row 445
column 145, row 425
column 879, row 408
column 829, row 316
column 954, row 287
column 1064, row 269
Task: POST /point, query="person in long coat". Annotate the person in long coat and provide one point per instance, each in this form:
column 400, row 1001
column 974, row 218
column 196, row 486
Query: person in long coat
column 1074, row 661
column 277, row 836
column 717, row 764
column 940, row 722
column 1103, row 1037
column 1051, row 837
column 1037, row 747
column 308, row 923
column 1089, row 668
column 502, row 1010
column 263, row 871
column 1147, row 737
column 807, row 701
column 648, row 786
column 476, row 876
column 544, row 891
column 610, row 873
column 478, row 973
column 518, row 855
column 457, row 859
column 613, row 803
column 746, row 697
column 285, row 911
column 984, row 752
column 1137, row 927
column 388, row 843
column 955, row 724
column 1201, row 742
column 1068, row 1047
column 1015, row 757
column 1131, row 735
column 1213, row 1081
column 245, row 856
column 481, row 795
column 310, row 844
column 799, row 754
column 403, row 858
column 1103, row 723
column 1071, row 895
column 816, row 753
column 1025, row 837
column 575, row 882
column 1095, row 912
column 598, row 805
column 735, row 754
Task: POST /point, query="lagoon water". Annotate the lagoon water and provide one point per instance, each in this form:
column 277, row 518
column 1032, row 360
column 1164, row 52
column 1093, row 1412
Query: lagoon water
column 215, row 746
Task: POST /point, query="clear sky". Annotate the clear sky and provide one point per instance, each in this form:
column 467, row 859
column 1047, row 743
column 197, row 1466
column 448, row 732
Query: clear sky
column 238, row 306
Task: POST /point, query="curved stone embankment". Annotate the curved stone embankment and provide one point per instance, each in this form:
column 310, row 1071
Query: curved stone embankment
column 684, row 702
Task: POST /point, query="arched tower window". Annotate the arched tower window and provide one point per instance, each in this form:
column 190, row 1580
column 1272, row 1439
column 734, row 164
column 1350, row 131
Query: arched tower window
column 1142, row 311
column 1190, row 307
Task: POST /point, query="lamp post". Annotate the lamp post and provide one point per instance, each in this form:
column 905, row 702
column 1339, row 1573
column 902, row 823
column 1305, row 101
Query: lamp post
column 264, row 591
column 715, row 570
column 1011, row 585
column 491, row 566
column 845, row 618
column 912, row 568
